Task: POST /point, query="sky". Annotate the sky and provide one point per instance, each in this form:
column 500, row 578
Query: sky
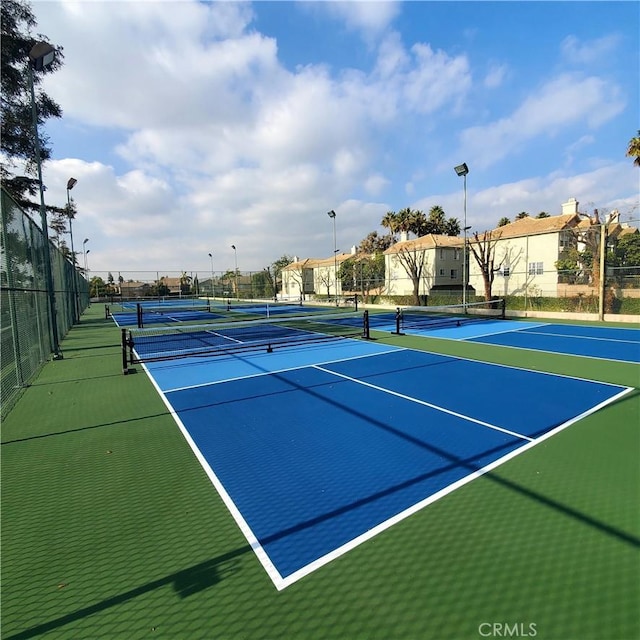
column 194, row 126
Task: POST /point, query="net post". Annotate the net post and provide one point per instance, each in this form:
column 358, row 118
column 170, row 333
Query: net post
column 366, row 332
column 125, row 364
column 398, row 322
column 139, row 315
column 355, row 303
column 503, row 308
column 107, row 312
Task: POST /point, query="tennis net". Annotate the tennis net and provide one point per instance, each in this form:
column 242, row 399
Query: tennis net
column 166, row 311
column 408, row 318
column 225, row 338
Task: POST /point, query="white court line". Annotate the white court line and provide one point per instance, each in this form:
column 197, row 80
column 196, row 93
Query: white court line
column 558, row 353
column 387, row 524
column 568, row 335
column 501, row 331
column 281, row 583
column 261, row 554
column 426, row 404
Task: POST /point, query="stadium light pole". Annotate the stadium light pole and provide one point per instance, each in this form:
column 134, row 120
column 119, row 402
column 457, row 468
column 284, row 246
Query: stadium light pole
column 235, row 253
column 84, row 254
column 212, row 289
column 76, row 307
column 332, row 215
column 463, row 170
column 86, row 270
column 41, row 56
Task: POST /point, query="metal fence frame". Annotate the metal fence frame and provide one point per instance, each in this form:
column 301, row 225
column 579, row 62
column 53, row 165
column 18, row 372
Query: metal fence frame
column 26, row 339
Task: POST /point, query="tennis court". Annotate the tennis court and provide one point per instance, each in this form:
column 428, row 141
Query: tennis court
column 363, row 488
column 173, row 311
column 608, row 343
column 318, row 446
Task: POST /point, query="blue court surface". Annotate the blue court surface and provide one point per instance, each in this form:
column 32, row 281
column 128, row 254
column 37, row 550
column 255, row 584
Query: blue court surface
column 317, row 449
column 176, row 312
column 610, row 343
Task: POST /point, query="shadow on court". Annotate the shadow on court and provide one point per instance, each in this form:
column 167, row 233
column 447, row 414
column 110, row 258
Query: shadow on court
column 185, row 583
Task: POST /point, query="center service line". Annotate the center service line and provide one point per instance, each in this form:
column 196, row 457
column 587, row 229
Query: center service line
column 426, row 404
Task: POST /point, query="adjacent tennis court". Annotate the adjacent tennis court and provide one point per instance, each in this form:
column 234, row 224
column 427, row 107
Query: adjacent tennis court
column 318, row 446
column 488, row 326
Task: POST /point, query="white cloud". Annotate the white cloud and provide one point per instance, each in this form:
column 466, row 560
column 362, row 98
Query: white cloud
column 560, row 103
column 366, row 16
column 495, row 76
column 598, row 188
column 586, row 52
column 375, row 184
column 222, row 144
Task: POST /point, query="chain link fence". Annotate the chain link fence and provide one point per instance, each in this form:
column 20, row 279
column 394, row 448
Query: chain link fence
column 552, row 291
column 26, row 338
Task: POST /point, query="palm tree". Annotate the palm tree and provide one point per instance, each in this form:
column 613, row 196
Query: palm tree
column 437, row 218
column 390, row 222
column 633, row 150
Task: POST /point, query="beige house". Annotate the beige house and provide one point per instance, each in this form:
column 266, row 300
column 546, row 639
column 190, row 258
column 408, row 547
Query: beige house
column 313, row 276
column 435, row 260
column 297, row 278
column 525, row 252
column 524, row 255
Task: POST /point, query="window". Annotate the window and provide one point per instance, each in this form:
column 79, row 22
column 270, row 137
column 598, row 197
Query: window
column 443, row 254
column 458, row 254
column 454, row 274
column 536, row 268
column 505, row 271
column 442, row 272
column 566, row 240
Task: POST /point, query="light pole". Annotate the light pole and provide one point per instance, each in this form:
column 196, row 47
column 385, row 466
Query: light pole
column 332, row 215
column 86, row 270
column 235, row 253
column 40, row 57
column 84, row 253
column 463, row 170
column 213, row 293
column 76, row 307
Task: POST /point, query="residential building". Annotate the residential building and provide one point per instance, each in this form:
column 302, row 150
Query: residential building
column 435, row 261
column 525, row 252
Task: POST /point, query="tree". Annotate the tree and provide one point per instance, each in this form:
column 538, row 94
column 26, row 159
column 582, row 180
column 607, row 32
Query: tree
column 521, row 215
column 362, row 273
column 17, row 136
column 504, row 221
column 277, row 267
column 374, row 243
column 633, row 149
column 97, row 287
column 483, row 249
column 185, row 283
column 413, row 261
column 627, row 251
column 390, row 222
column 439, row 224
column 414, row 221
column 569, row 266
column 542, row 214
column 161, row 289
column 262, row 284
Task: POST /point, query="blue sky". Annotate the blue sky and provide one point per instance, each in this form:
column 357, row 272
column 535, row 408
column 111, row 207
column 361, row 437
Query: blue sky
column 193, row 126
